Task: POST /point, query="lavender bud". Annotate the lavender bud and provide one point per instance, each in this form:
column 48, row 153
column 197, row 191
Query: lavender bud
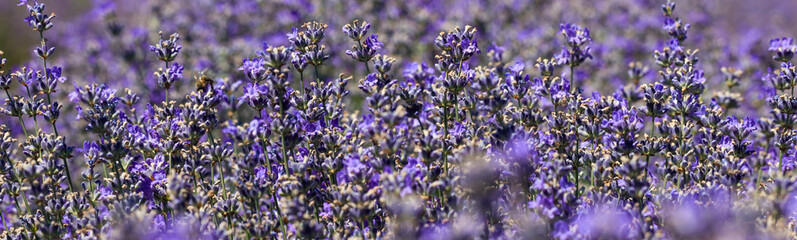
column 167, row 49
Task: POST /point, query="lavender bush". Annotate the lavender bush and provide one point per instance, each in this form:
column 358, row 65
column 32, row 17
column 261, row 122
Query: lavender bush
column 282, row 120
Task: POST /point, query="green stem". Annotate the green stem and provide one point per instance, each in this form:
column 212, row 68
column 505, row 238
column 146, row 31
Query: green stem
column 19, row 209
column 41, row 36
column 367, row 69
column 279, row 214
column 301, row 79
column 257, row 208
column 456, row 98
column 268, row 159
column 35, row 122
column 780, row 162
column 284, row 154
column 20, row 212
column 282, row 140
column 25, row 200
column 213, row 176
column 577, row 165
column 167, row 89
column 362, row 228
column 647, row 164
column 652, row 126
column 682, row 136
column 317, row 77
column 573, row 88
column 24, row 129
column 22, row 123
column 3, row 217
column 265, row 150
column 445, row 138
column 758, row 178
column 652, row 131
column 229, row 223
column 456, row 108
column 221, row 169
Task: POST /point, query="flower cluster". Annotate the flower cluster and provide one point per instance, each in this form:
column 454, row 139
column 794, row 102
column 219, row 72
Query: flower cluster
column 471, row 145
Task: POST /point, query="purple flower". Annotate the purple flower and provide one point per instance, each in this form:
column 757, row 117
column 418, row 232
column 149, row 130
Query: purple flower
column 676, row 28
column 419, row 73
column 354, row 167
column 373, row 43
column 356, row 32
column 783, row 48
column 254, row 69
column 575, row 35
column 496, row 52
column 517, row 67
column 327, row 212
column 255, row 95
column 367, row 50
column 37, row 18
column 740, row 129
column 167, row 49
column 166, row 78
column 106, row 193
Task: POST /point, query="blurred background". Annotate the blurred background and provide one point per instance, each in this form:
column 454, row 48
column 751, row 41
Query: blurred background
column 769, row 17
column 17, row 38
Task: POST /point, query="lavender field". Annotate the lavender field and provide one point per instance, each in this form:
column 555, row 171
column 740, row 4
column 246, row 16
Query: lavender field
column 346, row 119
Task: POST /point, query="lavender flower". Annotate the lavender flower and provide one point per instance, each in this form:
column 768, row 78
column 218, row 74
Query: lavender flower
column 167, row 77
column 167, row 49
column 468, row 147
column 356, row 32
column 37, row 19
column 783, row 48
